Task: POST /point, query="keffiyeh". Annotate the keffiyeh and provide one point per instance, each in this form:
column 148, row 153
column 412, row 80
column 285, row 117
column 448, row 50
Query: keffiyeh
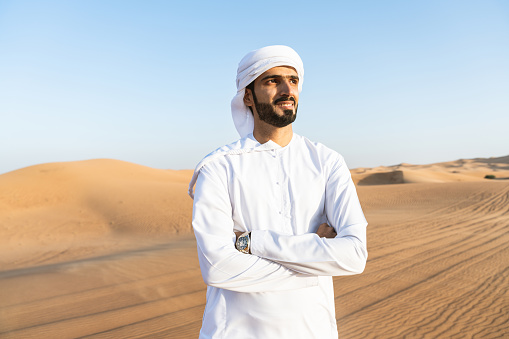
column 250, row 68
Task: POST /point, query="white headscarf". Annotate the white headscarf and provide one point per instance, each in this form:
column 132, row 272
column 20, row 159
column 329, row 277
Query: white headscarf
column 250, row 68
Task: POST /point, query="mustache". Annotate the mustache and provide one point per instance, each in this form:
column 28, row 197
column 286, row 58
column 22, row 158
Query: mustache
column 284, row 99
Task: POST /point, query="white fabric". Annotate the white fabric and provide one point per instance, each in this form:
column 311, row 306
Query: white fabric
column 281, row 195
column 221, row 152
column 250, row 68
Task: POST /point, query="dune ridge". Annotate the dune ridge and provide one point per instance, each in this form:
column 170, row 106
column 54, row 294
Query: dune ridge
column 104, row 249
column 452, row 171
column 82, row 208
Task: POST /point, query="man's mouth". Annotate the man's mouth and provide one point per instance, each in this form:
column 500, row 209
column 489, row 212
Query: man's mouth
column 285, row 103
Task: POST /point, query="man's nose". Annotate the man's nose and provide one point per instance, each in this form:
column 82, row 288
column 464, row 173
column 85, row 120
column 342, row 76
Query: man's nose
column 286, row 88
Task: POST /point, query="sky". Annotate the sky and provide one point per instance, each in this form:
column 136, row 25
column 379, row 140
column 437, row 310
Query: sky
column 150, row 82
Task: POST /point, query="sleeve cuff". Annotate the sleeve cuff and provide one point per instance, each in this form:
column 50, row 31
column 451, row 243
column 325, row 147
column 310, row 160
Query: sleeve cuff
column 257, row 242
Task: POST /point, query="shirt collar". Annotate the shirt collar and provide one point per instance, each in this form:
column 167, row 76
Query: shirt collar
column 269, row 144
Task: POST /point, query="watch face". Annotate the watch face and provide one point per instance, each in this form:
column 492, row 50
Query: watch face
column 242, row 242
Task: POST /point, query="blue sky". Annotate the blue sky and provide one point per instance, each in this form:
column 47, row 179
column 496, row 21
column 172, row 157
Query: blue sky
column 150, row 82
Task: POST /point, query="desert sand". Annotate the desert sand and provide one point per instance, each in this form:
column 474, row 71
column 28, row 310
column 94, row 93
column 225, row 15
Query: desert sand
column 104, row 249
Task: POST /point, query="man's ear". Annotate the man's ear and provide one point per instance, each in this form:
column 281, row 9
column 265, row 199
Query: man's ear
column 248, row 97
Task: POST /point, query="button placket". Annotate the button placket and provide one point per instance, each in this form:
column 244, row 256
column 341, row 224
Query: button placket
column 285, row 203
column 279, row 185
column 278, row 208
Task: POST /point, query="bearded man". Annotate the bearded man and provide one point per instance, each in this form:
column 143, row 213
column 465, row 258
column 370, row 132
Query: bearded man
column 275, row 215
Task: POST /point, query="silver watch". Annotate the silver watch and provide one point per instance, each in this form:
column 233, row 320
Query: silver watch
column 243, row 243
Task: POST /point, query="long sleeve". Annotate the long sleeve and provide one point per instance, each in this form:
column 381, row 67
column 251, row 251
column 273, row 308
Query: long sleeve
column 221, row 264
column 308, row 253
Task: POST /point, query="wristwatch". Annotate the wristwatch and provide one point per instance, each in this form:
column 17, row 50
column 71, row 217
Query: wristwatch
column 243, row 242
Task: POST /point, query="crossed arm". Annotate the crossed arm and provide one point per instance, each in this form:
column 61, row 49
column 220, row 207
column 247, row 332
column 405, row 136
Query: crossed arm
column 323, row 231
column 278, row 262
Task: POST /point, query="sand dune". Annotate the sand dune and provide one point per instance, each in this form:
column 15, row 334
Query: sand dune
column 65, row 211
column 453, row 171
column 104, row 249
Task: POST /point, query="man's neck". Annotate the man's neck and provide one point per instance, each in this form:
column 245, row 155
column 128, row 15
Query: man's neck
column 280, row 135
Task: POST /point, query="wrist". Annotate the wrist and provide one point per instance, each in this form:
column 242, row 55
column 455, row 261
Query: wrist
column 243, row 243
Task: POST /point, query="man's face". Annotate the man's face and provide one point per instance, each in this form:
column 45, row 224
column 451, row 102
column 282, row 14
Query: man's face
column 276, row 96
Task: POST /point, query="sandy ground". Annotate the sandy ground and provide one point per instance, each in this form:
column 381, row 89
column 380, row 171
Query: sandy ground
column 104, row 249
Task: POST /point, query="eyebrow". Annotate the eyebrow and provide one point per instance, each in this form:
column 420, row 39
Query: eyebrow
column 280, row 76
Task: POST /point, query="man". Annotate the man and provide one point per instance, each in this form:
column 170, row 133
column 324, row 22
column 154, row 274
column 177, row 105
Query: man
column 275, row 215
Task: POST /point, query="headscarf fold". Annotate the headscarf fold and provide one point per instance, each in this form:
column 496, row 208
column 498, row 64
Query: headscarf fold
column 250, row 68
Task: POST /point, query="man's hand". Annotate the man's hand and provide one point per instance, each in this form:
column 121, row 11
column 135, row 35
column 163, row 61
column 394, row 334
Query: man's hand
column 326, row 231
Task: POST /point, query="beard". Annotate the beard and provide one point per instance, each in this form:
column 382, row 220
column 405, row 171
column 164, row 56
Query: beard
column 267, row 112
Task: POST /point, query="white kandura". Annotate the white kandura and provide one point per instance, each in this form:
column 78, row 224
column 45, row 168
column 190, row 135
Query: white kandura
column 281, row 195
